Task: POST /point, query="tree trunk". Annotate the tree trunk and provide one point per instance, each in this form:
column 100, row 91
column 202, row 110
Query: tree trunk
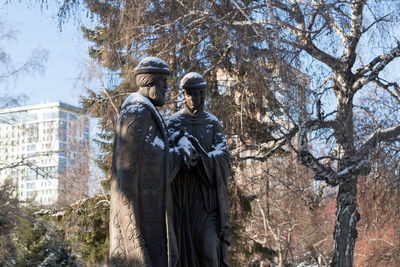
column 347, row 216
column 281, row 258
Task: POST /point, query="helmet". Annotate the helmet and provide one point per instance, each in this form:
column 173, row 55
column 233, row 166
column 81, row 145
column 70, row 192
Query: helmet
column 193, row 80
column 152, row 65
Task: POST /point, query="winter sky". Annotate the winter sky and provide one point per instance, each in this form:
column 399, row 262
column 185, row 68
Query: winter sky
column 67, row 54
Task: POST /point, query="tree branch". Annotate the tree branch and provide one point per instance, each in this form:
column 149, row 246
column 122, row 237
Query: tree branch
column 374, row 68
column 311, row 125
column 361, row 165
column 349, row 53
column 303, row 36
column 386, row 87
column 335, row 26
column 324, row 173
column 383, row 18
column 382, row 135
column 245, row 15
column 321, row 171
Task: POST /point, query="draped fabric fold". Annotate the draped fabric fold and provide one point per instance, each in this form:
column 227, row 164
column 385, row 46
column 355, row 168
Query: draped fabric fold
column 199, row 194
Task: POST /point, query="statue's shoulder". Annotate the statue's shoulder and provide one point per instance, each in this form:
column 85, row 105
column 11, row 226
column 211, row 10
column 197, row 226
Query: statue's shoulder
column 212, row 118
column 133, row 110
column 136, row 100
column 176, row 117
column 136, row 105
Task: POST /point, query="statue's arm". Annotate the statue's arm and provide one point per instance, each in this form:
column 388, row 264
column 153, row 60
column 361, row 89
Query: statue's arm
column 215, row 160
column 222, row 156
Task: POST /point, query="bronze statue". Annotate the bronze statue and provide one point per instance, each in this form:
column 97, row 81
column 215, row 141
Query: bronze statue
column 199, row 192
column 141, row 232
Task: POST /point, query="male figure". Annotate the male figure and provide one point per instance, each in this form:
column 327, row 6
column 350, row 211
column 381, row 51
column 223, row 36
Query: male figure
column 199, row 193
column 142, row 165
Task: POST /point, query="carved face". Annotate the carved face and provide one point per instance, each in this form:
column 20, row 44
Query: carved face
column 157, row 91
column 194, row 99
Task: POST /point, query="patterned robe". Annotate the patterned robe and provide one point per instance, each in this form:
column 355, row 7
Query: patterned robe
column 141, row 232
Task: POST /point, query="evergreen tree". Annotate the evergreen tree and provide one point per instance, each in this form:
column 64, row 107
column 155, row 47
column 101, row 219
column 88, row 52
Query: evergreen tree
column 37, row 243
column 187, row 40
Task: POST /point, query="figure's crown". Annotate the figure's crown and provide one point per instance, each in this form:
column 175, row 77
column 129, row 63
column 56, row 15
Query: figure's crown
column 152, row 65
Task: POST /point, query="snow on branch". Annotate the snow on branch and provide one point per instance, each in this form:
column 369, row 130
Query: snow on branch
column 382, row 135
column 245, row 15
column 251, row 22
column 360, row 164
column 375, row 67
column 266, row 150
column 322, row 172
column 327, row 174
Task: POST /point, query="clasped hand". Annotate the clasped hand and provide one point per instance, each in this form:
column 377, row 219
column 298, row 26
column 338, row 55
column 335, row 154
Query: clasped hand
column 190, row 148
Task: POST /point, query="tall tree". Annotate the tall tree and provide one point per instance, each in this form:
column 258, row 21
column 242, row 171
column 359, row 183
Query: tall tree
column 334, row 33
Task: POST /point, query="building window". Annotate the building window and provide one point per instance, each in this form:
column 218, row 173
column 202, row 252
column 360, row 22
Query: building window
column 32, row 147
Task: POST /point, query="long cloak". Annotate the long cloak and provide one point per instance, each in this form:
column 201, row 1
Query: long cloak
column 141, row 232
column 199, row 193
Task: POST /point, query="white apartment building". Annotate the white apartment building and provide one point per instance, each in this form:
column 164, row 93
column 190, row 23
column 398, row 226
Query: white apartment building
column 43, row 149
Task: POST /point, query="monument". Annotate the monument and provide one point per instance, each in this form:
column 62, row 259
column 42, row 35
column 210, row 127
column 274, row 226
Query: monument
column 141, row 227
column 199, row 192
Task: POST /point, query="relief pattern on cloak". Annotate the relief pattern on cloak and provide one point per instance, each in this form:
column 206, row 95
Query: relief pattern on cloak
column 140, row 230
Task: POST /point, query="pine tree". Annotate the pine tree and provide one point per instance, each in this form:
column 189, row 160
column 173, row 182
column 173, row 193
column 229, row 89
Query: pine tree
column 40, row 243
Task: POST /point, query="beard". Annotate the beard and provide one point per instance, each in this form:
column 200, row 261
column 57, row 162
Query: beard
column 157, row 96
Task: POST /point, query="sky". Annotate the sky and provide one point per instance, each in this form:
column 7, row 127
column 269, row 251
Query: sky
column 67, row 54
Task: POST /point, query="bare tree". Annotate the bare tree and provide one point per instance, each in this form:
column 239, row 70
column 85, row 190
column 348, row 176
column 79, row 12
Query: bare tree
column 289, row 215
column 10, row 70
column 349, row 72
column 76, row 177
column 333, row 41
